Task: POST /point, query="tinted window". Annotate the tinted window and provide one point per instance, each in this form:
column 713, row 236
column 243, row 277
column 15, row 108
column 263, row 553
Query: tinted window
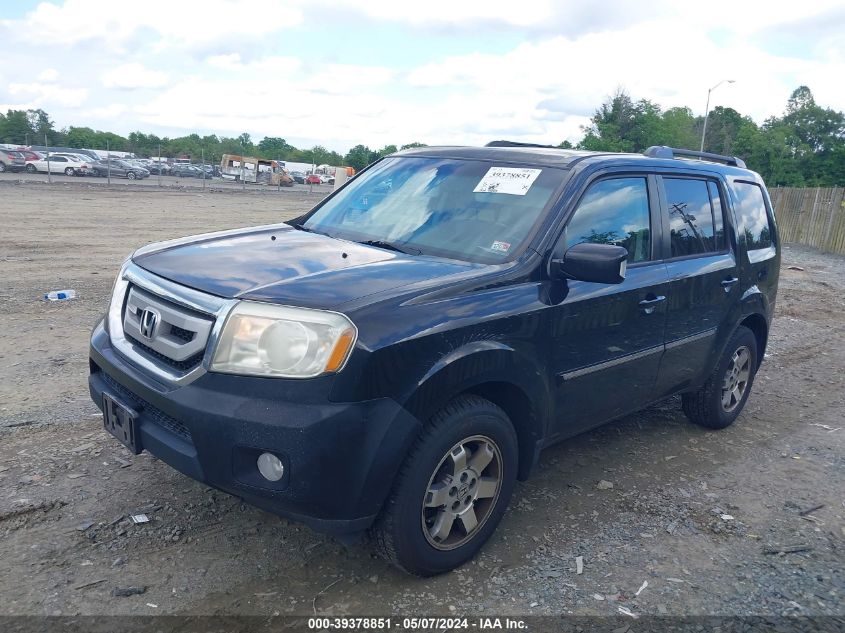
column 615, row 212
column 718, row 215
column 751, row 216
column 58, row 159
column 690, row 217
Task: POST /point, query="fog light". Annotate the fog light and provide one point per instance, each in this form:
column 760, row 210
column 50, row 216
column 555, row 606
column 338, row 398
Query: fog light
column 270, row 467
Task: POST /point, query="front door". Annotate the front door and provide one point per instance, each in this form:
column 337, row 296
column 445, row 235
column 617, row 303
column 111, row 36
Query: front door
column 608, row 338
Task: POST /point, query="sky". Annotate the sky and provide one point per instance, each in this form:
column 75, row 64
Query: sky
column 338, row 73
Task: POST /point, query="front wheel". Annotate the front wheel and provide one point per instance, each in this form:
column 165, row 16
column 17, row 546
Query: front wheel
column 31, row 168
column 452, row 490
column 131, row 175
column 719, row 402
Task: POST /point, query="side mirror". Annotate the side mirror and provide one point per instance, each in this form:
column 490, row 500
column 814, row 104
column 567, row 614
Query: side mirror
column 599, row 263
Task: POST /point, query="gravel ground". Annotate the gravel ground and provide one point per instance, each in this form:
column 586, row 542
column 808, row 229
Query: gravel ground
column 667, row 518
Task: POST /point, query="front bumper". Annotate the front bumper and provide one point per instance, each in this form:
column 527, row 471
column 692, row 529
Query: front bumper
column 340, row 458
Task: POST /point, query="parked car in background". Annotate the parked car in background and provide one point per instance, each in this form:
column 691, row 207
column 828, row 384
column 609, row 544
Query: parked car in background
column 185, row 170
column 118, row 169
column 87, row 163
column 29, row 154
column 313, row 179
column 298, row 177
column 11, row 160
column 67, row 164
column 156, row 168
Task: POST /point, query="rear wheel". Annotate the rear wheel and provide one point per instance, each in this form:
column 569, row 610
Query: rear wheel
column 2, row 167
column 719, row 402
column 131, row 175
column 452, row 490
column 70, row 171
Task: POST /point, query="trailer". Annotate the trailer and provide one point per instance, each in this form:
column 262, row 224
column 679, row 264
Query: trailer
column 254, row 170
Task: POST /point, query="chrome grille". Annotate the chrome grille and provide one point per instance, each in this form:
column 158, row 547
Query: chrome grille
column 163, row 327
column 176, row 334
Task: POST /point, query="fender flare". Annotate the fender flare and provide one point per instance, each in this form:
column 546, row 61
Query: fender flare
column 498, row 372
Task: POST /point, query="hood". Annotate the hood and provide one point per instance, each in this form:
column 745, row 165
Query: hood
column 282, row 265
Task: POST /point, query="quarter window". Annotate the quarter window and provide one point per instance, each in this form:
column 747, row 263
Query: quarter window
column 614, row 211
column 752, row 217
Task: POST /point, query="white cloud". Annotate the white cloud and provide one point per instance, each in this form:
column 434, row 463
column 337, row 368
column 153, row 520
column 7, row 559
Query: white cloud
column 48, row 74
column 177, row 24
column 133, row 76
column 38, row 95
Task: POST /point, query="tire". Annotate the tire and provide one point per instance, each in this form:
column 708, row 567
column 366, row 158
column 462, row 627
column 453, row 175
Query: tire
column 95, row 173
column 31, row 168
column 70, row 171
column 720, row 401
column 2, row 167
column 131, row 175
column 467, row 456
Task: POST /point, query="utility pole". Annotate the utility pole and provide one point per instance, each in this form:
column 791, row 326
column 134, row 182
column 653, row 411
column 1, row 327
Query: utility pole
column 108, row 161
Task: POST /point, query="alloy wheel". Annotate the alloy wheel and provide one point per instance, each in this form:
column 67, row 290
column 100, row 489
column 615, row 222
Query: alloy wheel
column 462, row 492
column 736, row 378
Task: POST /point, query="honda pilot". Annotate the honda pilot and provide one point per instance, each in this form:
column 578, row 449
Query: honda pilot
column 393, row 360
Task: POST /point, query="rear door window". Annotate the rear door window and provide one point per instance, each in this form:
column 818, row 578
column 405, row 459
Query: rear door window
column 614, row 211
column 752, row 218
column 691, row 223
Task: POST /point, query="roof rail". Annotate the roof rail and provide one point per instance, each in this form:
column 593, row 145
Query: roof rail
column 662, row 151
column 517, row 144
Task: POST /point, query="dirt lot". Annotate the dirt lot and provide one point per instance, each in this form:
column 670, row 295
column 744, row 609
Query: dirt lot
column 702, row 517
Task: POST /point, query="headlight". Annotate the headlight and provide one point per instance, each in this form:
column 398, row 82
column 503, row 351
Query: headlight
column 261, row 339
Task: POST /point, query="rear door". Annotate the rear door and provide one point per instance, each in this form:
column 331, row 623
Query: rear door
column 608, row 338
column 704, row 288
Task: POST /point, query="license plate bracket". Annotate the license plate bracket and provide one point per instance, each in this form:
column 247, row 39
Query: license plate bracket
column 122, row 422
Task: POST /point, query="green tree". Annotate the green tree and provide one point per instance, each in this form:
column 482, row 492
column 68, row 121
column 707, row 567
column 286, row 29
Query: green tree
column 274, row 147
column 16, row 128
column 622, row 125
column 413, row 145
column 358, row 157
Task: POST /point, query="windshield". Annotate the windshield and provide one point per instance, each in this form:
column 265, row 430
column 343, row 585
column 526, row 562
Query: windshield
column 471, row 210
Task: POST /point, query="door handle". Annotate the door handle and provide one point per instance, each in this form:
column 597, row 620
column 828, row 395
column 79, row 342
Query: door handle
column 729, row 283
column 648, row 305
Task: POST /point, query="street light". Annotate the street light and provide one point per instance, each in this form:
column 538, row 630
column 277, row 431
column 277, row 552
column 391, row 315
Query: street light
column 707, row 109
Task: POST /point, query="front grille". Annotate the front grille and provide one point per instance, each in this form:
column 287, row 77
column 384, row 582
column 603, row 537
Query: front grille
column 165, row 332
column 182, row 365
column 185, row 335
column 156, row 415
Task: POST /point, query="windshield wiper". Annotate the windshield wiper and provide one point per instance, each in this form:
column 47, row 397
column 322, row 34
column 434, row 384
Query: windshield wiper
column 390, row 246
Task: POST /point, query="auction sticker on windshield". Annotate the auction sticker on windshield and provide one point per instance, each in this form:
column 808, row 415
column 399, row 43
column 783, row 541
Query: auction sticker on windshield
column 515, row 181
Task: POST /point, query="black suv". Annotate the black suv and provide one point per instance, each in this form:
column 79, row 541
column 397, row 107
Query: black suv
column 394, row 359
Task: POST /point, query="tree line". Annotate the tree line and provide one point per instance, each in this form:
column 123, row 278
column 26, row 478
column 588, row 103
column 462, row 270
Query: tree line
column 805, row 146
